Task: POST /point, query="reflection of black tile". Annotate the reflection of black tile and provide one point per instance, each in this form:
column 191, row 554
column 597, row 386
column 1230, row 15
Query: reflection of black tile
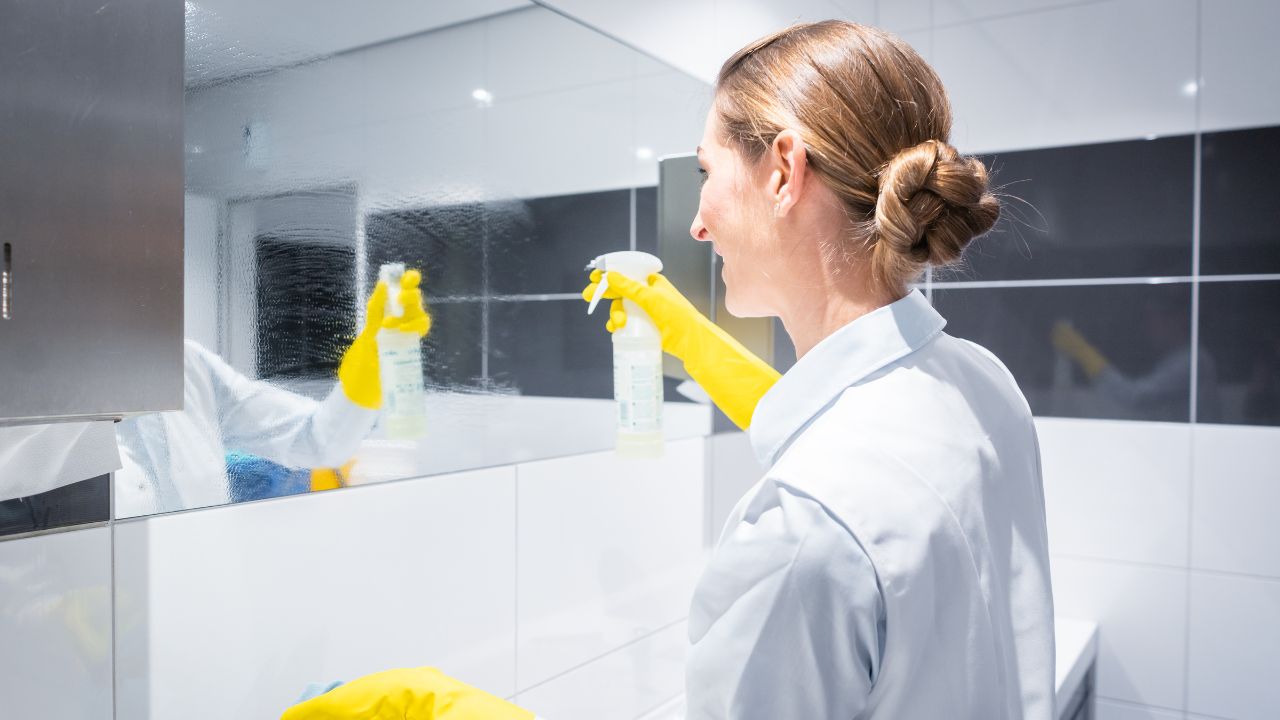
column 1239, row 214
column 546, row 252
column 647, row 219
column 86, row 501
column 306, row 307
column 1109, row 210
column 1239, row 368
column 551, row 348
column 445, row 242
column 451, row 352
column 1142, row 332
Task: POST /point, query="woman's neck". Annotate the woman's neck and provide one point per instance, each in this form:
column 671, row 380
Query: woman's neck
column 829, row 308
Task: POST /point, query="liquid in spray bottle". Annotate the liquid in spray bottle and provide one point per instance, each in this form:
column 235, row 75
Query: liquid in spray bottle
column 404, row 412
column 637, row 361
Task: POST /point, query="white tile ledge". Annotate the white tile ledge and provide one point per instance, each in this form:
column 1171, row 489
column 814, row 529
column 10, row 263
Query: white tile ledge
column 1077, row 648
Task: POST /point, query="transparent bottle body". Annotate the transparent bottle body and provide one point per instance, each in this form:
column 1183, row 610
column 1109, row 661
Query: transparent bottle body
column 637, row 388
column 404, row 413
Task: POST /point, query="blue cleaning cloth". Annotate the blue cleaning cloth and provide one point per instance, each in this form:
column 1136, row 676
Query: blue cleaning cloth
column 315, row 689
column 254, row 478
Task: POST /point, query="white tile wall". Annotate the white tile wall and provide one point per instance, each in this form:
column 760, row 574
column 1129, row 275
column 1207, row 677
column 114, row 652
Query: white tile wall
column 1239, row 54
column 1234, row 646
column 609, row 551
column 1078, row 74
column 230, row 612
column 623, row 685
column 55, row 626
column 734, row 470
column 1117, row 490
column 1141, row 613
column 1237, row 491
column 680, row 32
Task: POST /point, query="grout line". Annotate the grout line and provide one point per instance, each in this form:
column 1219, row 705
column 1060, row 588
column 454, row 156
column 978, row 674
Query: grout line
column 1012, row 14
column 601, row 656
column 1255, row 277
column 1060, row 282
column 1132, row 704
column 111, row 600
column 515, row 584
column 1189, row 569
column 1194, row 409
column 633, row 218
column 535, row 297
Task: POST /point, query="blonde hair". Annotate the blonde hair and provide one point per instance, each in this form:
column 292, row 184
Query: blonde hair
column 876, row 125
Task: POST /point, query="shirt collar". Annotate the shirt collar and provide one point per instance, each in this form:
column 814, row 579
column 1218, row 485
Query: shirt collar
column 847, row 356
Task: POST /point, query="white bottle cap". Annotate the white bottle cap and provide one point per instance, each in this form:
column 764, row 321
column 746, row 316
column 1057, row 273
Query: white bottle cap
column 390, row 273
column 634, row 264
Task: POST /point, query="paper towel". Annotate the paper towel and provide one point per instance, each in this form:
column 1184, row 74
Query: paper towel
column 37, row 458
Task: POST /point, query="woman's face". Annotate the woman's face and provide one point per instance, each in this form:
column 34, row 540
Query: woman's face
column 733, row 215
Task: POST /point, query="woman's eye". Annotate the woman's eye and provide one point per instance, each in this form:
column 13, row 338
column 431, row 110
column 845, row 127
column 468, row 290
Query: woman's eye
column 703, row 173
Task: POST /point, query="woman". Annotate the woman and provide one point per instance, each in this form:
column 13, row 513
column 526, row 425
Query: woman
column 893, row 561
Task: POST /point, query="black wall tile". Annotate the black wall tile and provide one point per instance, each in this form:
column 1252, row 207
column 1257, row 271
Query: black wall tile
column 1239, row 209
column 545, row 249
column 551, row 348
column 446, row 243
column 1143, row 331
column 306, row 307
column 1239, row 364
column 1120, row 209
column 83, row 502
column 451, row 352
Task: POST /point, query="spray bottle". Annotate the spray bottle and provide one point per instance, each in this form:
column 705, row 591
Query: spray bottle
column 637, row 360
column 400, row 367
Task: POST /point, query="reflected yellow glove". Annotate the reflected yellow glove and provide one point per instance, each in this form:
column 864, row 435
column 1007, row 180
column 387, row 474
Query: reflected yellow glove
column 331, row 478
column 406, row 694
column 358, row 372
column 733, row 377
column 1069, row 341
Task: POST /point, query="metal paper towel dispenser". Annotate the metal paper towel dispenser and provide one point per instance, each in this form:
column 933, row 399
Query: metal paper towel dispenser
column 91, row 182
column 693, row 266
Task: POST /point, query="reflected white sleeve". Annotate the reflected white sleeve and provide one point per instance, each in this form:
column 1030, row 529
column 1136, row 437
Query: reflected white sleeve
column 259, row 418
column 787, row 620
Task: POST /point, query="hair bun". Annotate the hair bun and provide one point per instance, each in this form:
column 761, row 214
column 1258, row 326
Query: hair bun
column 932, row 201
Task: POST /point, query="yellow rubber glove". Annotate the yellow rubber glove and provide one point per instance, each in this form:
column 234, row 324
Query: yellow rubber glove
column 358, row 372
column 331, row 478
column 733, row 377
column 406, row 694
column 1069, row 340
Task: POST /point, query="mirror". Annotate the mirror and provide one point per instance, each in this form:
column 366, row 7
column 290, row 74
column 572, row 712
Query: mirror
column 495, row 146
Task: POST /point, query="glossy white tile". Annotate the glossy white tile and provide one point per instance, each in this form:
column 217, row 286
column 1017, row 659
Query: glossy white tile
column 1234, row 646
column 1238, row 50
column 535, row 51
column 232, row 611
column 55, row 626
column 739, row 23
column 903, row 16
column 1116, row 490
column 1078, row 74
column 1142, row 618
column 1113, row 710
column 1237, row 488
column 628, row 683
column 951, row 12
column 734, row 470
column 609, row 551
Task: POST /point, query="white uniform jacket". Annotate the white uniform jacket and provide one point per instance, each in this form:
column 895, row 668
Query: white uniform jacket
column 177, row 460
column 893, row 562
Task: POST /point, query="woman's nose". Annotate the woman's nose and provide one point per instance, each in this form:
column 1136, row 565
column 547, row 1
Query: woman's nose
column 698, row 230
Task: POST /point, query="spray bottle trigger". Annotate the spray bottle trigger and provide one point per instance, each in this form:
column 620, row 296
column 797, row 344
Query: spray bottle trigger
column 599, row 293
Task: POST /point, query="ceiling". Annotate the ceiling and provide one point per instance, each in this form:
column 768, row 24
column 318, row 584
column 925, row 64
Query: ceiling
column 231, row 38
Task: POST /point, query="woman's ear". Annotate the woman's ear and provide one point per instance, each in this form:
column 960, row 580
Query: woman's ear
column 789, row 169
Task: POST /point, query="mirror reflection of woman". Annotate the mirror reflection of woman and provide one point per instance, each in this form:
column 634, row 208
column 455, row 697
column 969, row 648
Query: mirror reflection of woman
column 893, row 560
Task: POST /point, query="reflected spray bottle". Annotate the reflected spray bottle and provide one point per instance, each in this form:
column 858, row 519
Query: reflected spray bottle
column 637, row 360
column 404, row 412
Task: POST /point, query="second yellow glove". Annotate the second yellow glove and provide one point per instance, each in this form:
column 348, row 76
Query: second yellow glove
column 406, row 694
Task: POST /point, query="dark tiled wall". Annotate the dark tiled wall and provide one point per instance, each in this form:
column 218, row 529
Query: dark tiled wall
column 1088, row 217
column 489, row 267
column 86, row 501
